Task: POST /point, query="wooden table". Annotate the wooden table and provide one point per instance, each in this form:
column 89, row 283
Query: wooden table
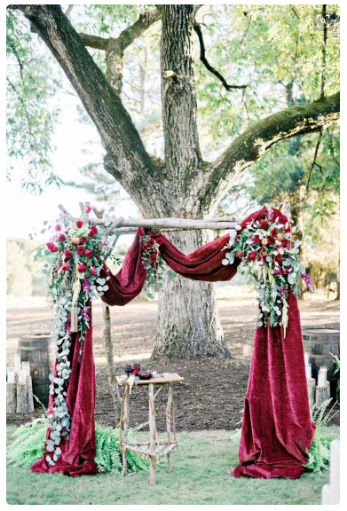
column 154, row 449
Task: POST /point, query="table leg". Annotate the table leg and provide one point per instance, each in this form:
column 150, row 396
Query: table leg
column 152, row 433
column 124, row 425
column 169, row 422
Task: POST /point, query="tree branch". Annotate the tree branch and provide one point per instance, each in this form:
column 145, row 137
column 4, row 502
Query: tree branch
column 127, row 159
column 257, row 139
column 126, row 37
column 131, row 33
column 209, row 67
column 94, row 41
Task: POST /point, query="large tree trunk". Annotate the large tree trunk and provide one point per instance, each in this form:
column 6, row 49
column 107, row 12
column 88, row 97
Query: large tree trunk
column 188, row 323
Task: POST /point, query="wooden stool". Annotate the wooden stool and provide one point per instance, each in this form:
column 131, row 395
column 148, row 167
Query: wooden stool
column 154, row 449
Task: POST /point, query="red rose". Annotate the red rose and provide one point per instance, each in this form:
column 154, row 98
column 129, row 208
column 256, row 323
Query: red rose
column 239, row 254
column 151, row 242
column 251, row 256
column 81, row 267
column 255, row 239
column 286, row 243
column 92, row 231
column 89, row 253
column 273, row 233
column 83, row 239
column 271, row 241
column 140, row 231
column 264, row 224
column 145, row 246
column 279, row 258
column 153, row 258
column 277, row 271
column 61, row 237
column 65, row 266
column 92, row 270
column 79, row 223
column 57, row 227
column 80, row 250
column 67, row 253
column 51, row 247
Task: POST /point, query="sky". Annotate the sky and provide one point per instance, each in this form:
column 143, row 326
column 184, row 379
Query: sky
column 26, row 211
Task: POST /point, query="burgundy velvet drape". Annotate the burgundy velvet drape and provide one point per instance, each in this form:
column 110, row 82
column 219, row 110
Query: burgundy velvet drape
column 277, row 429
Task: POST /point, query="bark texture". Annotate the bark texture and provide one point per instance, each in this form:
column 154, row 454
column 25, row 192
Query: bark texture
column 183, row 185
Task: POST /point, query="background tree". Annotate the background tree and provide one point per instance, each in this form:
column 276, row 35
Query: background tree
column 183, row 183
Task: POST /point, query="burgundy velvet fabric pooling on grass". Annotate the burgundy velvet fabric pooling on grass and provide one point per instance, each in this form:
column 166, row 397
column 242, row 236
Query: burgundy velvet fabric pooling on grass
column 276, row 430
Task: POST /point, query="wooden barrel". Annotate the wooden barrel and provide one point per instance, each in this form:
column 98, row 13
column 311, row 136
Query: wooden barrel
column 34, row 348
column 319, row 343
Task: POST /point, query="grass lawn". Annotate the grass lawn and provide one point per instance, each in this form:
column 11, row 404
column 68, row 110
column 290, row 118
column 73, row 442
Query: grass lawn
column 201, row 475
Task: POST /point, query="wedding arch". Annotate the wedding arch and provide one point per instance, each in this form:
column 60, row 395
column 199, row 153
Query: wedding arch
column 277, row 430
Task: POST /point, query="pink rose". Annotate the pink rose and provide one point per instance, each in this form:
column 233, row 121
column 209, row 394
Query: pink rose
column 61, row 237
column 67, row 253
column 57, row 227
column 80, row 250
column 65, row 266
column 81, row 267
column 51, row 247
column 92, row 270
column 89, row 253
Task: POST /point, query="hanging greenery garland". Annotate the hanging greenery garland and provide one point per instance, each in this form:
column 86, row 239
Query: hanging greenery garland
column 75, row 256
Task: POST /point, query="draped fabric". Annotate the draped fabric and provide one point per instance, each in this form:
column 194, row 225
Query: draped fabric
column 79, row 451
column 276, row 428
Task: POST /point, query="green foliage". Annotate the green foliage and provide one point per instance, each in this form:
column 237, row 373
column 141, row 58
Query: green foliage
column 275, row 49
column 337, row 371
column 27, row 446
column 318, row 454
column 30, row 113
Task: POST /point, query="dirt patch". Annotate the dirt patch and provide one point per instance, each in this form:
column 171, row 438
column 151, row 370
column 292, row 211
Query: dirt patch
column 211, row 396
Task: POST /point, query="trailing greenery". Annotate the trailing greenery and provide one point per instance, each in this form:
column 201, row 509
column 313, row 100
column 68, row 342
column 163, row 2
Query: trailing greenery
column 28, row 446
column 319, row 452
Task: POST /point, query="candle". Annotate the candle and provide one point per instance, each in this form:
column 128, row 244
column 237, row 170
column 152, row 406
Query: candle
column 322, row 376
column 16, row 362
column 22, row 376
column 11, row 376
column 308, row 368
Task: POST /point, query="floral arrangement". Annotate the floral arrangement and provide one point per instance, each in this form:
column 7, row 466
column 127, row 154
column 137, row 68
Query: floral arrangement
column 152, row 260
column 267, row 253
column 75, row 256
